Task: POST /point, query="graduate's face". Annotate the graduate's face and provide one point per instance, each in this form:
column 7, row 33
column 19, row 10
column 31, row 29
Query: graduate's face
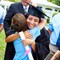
column 32, row 21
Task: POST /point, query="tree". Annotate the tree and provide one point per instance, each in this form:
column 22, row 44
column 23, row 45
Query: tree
column 14, row 0
column 55, row 2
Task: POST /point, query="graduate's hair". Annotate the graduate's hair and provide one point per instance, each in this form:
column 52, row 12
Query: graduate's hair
column 19, row 22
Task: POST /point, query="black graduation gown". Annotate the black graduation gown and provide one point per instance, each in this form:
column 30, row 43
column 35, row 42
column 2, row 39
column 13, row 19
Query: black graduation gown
column 42, row 45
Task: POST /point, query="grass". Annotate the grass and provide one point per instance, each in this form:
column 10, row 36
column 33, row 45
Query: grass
column 2, row 45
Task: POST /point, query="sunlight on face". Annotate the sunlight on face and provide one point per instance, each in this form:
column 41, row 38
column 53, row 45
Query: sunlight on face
column 32, row 21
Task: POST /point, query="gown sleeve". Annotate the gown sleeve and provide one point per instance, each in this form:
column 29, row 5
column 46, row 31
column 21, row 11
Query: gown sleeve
column 42, row 45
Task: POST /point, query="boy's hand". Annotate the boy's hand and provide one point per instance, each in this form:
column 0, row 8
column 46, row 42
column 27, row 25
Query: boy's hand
column 28, row 35
column 27, row 42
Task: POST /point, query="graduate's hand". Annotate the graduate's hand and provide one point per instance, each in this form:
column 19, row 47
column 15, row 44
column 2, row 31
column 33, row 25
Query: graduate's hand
column 28, row 35
column 34, row 4
column 27, row 42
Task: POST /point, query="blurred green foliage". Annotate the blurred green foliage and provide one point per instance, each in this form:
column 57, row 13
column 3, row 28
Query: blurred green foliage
column 2, row 45
column 15, row 0
column 54, row 14
column 55, row 2
column 48, row 19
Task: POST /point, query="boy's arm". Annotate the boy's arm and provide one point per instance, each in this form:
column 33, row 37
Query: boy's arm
column 12, row 37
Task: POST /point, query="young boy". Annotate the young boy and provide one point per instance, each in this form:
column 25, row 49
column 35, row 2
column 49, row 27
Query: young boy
column 19, row 23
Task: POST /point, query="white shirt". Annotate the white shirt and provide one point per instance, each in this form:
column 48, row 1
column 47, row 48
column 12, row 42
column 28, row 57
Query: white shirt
column 26, row 8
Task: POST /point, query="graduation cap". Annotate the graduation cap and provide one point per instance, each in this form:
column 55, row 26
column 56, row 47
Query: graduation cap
column 37, row 12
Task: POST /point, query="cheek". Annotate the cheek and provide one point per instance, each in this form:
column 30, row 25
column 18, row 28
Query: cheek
column 36, row 23
column 28, row 22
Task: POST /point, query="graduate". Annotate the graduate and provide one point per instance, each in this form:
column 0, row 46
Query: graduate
column 44, row 49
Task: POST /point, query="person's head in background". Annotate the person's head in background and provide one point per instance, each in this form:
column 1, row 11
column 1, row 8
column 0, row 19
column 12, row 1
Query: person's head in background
column 24, row 2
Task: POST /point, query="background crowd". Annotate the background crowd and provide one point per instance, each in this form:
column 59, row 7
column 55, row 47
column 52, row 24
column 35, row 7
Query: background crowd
column 47, row 42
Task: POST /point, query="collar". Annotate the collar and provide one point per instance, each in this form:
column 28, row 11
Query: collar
column 26, row 7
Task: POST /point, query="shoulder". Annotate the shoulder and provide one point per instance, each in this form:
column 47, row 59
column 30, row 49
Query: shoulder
column 55, row 19
column 57, row 15
column 1, row 8
column 15, row 4
column 1, row 12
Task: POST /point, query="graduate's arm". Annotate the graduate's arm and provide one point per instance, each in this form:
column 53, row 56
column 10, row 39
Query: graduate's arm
column 49, row 31
column 33, row 44
column 12, row 37
column 42, row 23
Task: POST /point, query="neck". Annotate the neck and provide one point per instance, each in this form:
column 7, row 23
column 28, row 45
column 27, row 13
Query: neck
column 24, row 4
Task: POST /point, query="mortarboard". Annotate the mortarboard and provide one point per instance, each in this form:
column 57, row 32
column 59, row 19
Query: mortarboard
column 37, row 12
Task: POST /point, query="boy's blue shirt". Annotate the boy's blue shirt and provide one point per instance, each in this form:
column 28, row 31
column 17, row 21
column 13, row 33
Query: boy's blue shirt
column 54, row 26
column 35, row 32
column 19, row 47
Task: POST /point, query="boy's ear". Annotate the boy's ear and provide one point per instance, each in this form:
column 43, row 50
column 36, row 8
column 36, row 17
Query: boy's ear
column 12, row 21
column 12, row 26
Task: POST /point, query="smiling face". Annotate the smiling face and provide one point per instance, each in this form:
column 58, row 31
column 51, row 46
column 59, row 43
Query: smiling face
column 32, row 21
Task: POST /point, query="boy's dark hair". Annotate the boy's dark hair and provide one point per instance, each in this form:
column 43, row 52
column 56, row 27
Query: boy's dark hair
column 19, row 22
